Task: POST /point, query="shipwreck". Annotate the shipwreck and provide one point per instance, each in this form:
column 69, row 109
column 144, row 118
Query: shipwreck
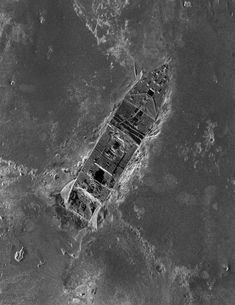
column 133, row 119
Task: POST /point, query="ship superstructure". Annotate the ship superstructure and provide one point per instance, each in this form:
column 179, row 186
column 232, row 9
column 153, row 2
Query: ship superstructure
column 134, row 119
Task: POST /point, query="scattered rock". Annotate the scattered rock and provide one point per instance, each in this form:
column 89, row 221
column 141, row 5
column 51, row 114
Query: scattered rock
column 40, row 264
column 187, row 4
column 19, row 255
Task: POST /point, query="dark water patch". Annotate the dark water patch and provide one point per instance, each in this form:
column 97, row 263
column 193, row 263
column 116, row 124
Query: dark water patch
column 137, row 12
column 118, row 268
column 166, row 224
column 62, row 49
column 197, row 88
column 199, row 99
column 117, row 253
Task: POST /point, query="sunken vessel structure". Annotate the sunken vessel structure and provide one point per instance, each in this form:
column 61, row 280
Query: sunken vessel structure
column 133, row 119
